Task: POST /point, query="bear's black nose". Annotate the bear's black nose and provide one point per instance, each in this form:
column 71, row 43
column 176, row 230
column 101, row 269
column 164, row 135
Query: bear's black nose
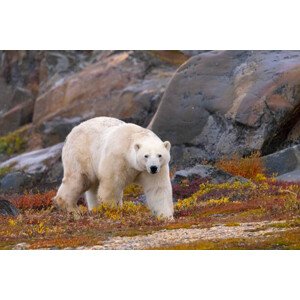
column 153, row 169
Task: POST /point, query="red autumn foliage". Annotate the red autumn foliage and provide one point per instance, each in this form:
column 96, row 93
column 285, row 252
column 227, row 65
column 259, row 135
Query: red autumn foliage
column 34, row 201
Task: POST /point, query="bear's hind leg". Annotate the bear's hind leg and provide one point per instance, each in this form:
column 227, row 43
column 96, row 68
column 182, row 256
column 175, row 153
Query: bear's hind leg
column 91, row 197
column 69, row 192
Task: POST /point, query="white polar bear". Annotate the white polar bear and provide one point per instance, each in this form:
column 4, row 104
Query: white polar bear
column 103, row 155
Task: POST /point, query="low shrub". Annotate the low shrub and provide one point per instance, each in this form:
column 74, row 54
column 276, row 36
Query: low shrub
column 34, row 201
column 249, row 167
column 12, row 143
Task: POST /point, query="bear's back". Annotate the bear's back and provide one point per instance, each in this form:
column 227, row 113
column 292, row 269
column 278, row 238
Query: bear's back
column 99, row 123
column 93, row 127
column 129, row 131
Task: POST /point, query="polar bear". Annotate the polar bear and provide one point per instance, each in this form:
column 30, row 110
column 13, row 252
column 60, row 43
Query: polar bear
column 103, row 155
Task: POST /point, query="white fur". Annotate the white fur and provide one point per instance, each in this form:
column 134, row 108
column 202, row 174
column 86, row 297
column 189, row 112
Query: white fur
column 103, row 155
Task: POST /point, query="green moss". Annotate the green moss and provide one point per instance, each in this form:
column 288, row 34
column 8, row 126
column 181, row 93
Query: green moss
column 4, row 171
column 252, row 212
column 12, row 143
column 292, row 203
column 280, row 225
column 288, row 224
column 232, row 224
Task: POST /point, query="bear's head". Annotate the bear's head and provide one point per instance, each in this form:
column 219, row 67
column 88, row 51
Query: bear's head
column 152, row 156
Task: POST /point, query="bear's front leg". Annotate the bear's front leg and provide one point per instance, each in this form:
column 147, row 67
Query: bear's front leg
column 158, row 192
column 160, row 202
column 110, row 193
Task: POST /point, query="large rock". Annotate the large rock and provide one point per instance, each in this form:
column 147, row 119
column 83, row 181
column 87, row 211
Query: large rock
column 221, row 102
column 37, row 161
column 38, row 169
column 138, row 102
column 124, row 85
column 284, row 164
column 55, row 131
column 293, row 176
column 16, row 182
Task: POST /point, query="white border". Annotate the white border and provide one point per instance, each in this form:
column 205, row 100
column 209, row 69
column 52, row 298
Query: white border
column 156, row 24
column 149, row 275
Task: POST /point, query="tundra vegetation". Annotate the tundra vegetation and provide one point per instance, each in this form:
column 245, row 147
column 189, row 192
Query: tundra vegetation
column 199, row 203
column 12, row 143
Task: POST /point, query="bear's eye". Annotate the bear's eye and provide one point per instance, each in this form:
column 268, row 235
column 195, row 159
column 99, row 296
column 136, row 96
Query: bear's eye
column 146, row 156
column 159, row 155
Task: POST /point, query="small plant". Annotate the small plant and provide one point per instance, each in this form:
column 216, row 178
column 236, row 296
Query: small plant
column 4, row 171
column 12, row 143
column 232, row 224
column 132, row 191
column 12, row 222
column 128, row 208
column 218, row 201
column 249, row 167
column 260, row 177
column 40, row 228
column 185, row 203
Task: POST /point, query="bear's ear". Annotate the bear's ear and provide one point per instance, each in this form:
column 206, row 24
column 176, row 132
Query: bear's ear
column 167, row 144
column 137, row 147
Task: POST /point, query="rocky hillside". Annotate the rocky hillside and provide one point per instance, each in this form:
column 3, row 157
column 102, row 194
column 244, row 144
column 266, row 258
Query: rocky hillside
column 44, row 94
column 50, row 87
column 215, row 104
